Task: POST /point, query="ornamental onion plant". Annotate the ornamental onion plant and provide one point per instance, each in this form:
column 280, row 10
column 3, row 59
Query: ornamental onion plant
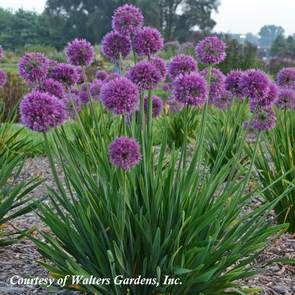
column 125, row 207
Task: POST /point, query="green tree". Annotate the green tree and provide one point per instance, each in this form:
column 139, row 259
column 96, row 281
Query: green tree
column 92, row 18
column 268, row 34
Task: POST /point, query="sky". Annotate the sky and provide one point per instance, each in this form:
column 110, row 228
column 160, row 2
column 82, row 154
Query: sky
column 234, row 16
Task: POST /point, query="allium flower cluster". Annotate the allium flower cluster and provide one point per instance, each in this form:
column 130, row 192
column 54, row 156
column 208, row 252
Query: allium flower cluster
column 254, row 84
column 286, row 99
column 286, row 78
column 181, row 64
column 124, row 152
column 65, row 73
column 127, row 19
column 41, row 111
column 79, row 52
column 33, row 67
column 53, row 87
column 147, row 41
column 72, row 102
column 101, row 75
column 145, row 75
column 266, row 101
column 232, row 83
column 157, row 105
column 264, row 119
column 211, row 50
column 160, row 65
column 80, row 74
column 3, row 78
column 114, row 46
column 217, row 86
column 95, row 88
column 120, row 96
column 190, row 89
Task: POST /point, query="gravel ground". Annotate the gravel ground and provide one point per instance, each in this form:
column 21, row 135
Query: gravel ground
column 21, row 258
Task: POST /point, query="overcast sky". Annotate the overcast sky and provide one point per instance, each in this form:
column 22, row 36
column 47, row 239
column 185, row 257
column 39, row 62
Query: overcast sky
column 234, row 16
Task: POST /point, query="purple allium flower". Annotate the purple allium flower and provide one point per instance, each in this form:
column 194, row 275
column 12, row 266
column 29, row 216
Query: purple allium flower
column 124, row 152
column 167, row 86
column 41, row 111
column 1, row 53
column 101, row 75
column 265, row 101
column 127, row 19
column 181, row 64
column 286, row 99
column 174, row 105
column 147, row 41
column 80, row 74
column 114, row 46
column 3, row 78
column 95, row 88
column 190, row 89
column 65, row 73
column 53, row 87
column 120, row 96
column 286, row 78
column 232, row 83
column 217, row 86
column 160, row 65
column 224, row 101
column 33, row 67
column 254, row 84
column 264, row 119
column 79, row 52
column 211, row 50
column 157, row 104
column 144, row 75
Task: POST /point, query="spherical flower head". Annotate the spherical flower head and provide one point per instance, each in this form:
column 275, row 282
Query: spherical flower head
column 160, row 65
column 254, row 84
column 145, row 75
column 41, row 111
column 53, row 87
column 124, row 152
column 266, row 101
column 157, row 105
column 174, row 105
column 127, row 19
column 101, row 75
column 211, row 51
column 223, row 102
column 190, row 89
column 286, row 78
column 147, row 41
column 181, row 64
column 114, row 46
column 232, row 83
column 33, row 67
column 65, row 73
column 264, row 119
column 1, row 53
column 3, row 78
column 286, row 99
column 95, row 88
column 217, row 86
column 79, row 52
column 120, row 96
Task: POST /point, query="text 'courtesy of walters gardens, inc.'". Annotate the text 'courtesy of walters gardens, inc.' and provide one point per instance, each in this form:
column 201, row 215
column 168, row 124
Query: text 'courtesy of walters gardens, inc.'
column 92, row 280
